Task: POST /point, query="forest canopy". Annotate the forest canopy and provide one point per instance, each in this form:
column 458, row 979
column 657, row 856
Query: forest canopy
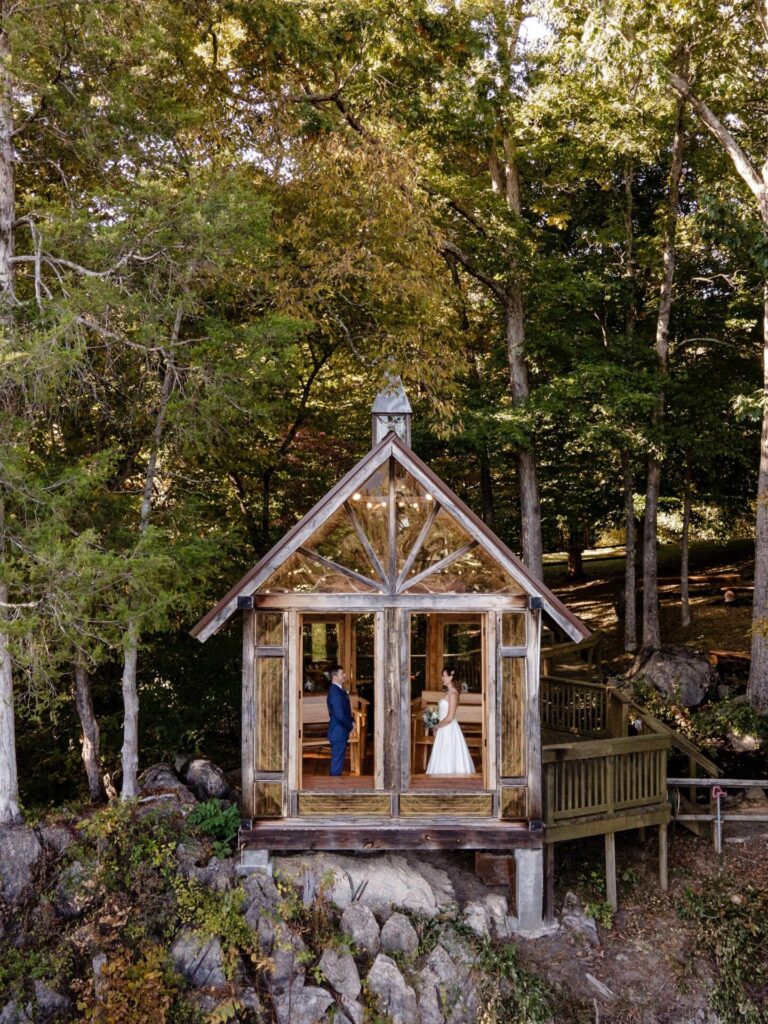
column 223, row 224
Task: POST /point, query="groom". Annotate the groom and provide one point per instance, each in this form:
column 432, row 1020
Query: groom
column 340, row 722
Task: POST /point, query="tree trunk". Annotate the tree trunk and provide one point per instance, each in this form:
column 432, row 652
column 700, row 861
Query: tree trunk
column 685, row 597
column 7, row 176
column 486, row 487
column 757, row 687
column 10, row 812
column 530, row 508
column 130, row 751
column 651, row 629
column 90, row 727
column 630, row 578
column 575, row 545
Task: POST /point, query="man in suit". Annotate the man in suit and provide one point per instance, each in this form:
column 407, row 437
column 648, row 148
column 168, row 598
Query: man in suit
column 340, row 721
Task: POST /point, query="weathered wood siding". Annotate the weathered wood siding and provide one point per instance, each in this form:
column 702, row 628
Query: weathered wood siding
column 440, row 805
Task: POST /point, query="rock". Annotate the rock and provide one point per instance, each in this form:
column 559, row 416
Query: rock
column 200, row 961
column 301, row 1004
column 190, row 854
column 497, row 911
column 261, row 898
column 574, row 918
column 160, row 778
column 476, row 918
column 49, row 1002
column 327, row 877
column 205, row 779
column 398, row 935
column 755, row 795
column 288, row 966
column 354, row 1010
column 446, row 991
column 396, row 999
column 683, row 674
column 341, row 971
column 55, row 838
column 73, row 891
column 98, row 963
column 249, row 997
column 12, row 1013
column 381, row 882
column 218, row 874
column 19, row 851
column 743, row 744
column 360, row 925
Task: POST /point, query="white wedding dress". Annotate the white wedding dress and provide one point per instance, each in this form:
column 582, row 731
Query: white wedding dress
column 450, row 754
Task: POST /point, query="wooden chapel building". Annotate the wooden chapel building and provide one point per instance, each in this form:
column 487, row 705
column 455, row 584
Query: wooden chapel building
column 392, row 576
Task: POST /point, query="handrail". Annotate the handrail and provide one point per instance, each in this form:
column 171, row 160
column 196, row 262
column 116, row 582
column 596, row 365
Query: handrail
column 581, row 751
column 677, row 739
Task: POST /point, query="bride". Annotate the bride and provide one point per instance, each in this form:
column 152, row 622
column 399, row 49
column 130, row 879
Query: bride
column 450, row 754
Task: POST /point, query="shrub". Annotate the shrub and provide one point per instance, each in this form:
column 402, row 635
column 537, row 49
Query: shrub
column 132, row 988
column 220, row 823
column 733, row 925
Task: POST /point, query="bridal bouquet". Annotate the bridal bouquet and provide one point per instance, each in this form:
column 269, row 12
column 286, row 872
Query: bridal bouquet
column 431, row 718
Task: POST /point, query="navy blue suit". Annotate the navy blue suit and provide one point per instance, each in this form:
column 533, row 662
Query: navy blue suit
column 340, row 725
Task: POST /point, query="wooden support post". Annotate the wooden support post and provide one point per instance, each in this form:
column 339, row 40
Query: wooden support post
column 692, row 773
column 663, row 875
column 549, row 883
column 641, row 833
column 610, row 870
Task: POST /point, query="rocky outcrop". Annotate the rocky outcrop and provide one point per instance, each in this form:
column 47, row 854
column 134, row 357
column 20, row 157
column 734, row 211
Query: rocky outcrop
column 398, row 935
column 341, row 971
column 379, row 882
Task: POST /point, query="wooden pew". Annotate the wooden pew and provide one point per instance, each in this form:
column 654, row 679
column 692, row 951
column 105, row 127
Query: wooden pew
column 469, row 715
column 314, row 743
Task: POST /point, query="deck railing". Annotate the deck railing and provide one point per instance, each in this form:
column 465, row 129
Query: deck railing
column 581, row 708
column 603, row 777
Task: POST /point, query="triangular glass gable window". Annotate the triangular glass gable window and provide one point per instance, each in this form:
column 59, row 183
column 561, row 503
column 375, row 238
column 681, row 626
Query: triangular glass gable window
column 302, row 574
column 473, row 572
column 444, row 538
column 338, row 541
column 414, row 505
column 370, row 505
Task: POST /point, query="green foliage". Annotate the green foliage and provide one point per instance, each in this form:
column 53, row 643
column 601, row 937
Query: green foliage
column 732, row 921
column 601, row 911
column 508, row 992
column 133, row 987
column 20, row 967
column 219, row 822
column 124, row 842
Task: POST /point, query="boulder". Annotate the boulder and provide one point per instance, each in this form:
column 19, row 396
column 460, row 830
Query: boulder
column 354, row 1010
column 398, row 935
column 573, row 917
column 72, row 892
column 261, row 898
column 396, row 999
column 341, row 971
column 218, row 874
column 287, row 962
column 49, row 1002
column 380, row 882
column 755, row 795
column 301, row 1004
column 360, row 925
column 497, row 911
column 205, row 779
column 161, row 779
column 12, row 1013
column 200, row 961
column 681, row 673
column 445, row 991
column 476, row 918
column 55, row 838
column 19, row 851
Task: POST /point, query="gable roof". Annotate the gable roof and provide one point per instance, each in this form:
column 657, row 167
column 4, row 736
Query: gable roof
column 390, row 446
